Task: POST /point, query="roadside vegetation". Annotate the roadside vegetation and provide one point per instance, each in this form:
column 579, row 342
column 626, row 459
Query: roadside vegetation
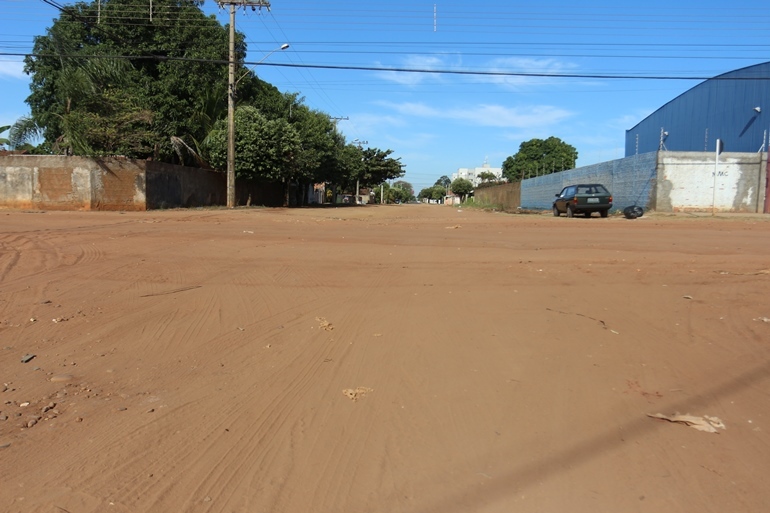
column 158, row 89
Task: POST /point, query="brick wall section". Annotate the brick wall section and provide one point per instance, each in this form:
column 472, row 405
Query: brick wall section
column 507, row 196
column 118, row 184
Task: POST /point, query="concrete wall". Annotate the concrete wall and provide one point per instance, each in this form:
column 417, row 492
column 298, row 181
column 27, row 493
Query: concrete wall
column 687, row 182
column 70, row 183
column 507, row 196
column 82, row 183
column 664, row 181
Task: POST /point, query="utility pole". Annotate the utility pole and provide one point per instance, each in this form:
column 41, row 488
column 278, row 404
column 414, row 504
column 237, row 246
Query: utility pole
column 360, row 144
column 231, row 92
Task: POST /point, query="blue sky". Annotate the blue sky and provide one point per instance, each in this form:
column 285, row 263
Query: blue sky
column 469, row 99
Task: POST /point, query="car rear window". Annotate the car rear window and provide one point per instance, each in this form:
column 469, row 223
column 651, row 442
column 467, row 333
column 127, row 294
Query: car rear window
column 591, row 189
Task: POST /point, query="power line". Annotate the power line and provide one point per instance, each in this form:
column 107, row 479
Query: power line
column 609, row 76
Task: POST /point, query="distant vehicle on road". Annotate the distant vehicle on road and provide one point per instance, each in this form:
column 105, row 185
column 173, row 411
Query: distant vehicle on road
column 584, row 198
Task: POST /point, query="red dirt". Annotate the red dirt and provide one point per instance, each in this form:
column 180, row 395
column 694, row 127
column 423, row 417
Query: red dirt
column 412, row 359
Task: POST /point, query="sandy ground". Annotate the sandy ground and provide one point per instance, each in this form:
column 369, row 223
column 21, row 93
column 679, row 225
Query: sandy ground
column 408, row 358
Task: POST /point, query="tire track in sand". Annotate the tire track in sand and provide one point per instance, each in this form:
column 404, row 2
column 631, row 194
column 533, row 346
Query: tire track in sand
column 247, row 426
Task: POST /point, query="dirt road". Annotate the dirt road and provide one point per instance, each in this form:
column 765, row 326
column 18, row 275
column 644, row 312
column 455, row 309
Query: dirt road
column 413, row 359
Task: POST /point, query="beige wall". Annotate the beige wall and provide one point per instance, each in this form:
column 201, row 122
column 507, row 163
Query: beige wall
column 83, row 183
column 693, row 181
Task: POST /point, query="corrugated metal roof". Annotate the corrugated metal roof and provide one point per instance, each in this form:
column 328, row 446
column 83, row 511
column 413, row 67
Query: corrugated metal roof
column 733, row 107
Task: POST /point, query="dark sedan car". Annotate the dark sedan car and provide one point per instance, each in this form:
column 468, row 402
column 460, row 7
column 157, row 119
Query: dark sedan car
column 584, row 198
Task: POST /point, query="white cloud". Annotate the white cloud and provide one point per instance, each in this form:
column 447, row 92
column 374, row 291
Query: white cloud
column 416, row 140
column 367, row 125
column 488, row 115
column 416, row 62
column 12, row 69
column 454, row 62
column 631, row 120
column 525, row 66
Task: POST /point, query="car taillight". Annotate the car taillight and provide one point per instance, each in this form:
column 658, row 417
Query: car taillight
column 610, row 199
column 574, row 200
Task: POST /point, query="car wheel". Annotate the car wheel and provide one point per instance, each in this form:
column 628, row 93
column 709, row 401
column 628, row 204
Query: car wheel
column 556, row 211
column 569, row 211
column 630, row 213
column 605, row 212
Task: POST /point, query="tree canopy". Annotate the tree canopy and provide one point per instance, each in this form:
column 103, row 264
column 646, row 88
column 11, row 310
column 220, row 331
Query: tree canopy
column 406, row 190
column 462, row 187
column 157, row 87
column 444, row 182
column 537, row 157
column 4, row 141
column 115, row 88
column 266, row 148
column 436, row 192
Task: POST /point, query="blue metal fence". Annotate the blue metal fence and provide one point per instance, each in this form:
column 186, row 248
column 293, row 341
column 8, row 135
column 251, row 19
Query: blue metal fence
column 631, row 181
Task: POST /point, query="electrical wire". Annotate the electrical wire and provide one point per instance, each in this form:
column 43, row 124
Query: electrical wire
column 608, row 76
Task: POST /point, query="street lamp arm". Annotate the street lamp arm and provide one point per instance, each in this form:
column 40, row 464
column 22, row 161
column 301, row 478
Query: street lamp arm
column 260, row 61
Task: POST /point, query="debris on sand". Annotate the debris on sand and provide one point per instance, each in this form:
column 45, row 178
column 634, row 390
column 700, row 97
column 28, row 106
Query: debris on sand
column 324, row 324
column 705, row 423
column 354, row 394
column 750, row 273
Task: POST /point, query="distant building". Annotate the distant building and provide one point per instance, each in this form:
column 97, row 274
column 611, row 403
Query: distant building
column 473, row 174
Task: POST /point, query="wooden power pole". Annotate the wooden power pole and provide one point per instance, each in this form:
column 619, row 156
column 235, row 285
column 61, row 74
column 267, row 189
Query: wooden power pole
column 254, row 4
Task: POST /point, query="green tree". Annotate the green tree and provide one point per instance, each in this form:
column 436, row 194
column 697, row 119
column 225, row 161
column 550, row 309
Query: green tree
column 436, row 192
column 88, row 98
column 369, row 166
column 21, row 133
column 384, row 193
column 462, row 188
column 538, row 156
column 406, row 191
column 267, row 149
column 444, row 182
column 487, row 177
column 317, row 158
column 4, row 141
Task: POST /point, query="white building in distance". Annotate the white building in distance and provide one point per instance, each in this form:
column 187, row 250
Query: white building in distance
column 472, row 174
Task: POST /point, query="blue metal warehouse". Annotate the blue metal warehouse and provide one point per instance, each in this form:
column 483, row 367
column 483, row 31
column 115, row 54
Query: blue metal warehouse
column 733, row 107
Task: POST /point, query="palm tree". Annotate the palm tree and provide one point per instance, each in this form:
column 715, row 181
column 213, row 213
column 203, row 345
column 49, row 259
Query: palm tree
column 3, row 140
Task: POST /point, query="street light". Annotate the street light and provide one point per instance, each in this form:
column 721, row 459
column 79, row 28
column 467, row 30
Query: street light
column 232, row 82
column 260, row 61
